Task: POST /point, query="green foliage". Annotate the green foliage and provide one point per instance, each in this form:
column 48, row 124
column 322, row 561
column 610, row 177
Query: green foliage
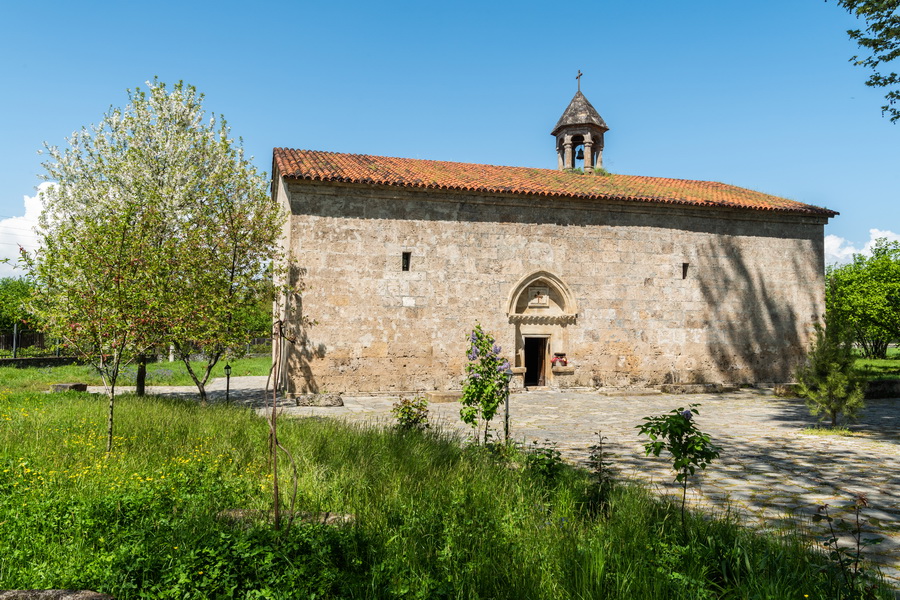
column 595, row 171
column 258, row 317
column 430, row 517
column 543, row 460
column 828, row 380
column 411, row 413
column 14, row 296
column 881, row 42
column 29, row 352
column 486, row 381
column 677, row 433
column 602, row 471
column 865, row 297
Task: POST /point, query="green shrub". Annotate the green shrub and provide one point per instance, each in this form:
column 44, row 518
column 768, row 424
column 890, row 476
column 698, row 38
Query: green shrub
column 411, row 413
column 543, row 460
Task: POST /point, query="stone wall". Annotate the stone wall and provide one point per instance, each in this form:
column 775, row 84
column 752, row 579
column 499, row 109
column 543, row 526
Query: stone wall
column 658, row 293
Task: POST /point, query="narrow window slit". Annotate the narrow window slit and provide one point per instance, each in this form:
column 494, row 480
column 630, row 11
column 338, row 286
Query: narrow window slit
column 684, row 270
column 405, row 261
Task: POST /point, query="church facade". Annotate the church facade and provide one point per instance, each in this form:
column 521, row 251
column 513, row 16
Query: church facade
column 584, row 278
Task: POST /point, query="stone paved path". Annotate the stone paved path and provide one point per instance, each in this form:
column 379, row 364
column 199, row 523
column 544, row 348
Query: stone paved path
column 770, row 470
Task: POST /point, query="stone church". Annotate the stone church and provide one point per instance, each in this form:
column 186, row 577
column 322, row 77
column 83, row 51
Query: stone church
column 584, row 278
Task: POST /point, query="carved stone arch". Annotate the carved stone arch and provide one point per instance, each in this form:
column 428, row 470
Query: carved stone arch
column 559, row 308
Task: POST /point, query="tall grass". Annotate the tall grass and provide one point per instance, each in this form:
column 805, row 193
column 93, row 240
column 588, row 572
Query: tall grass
column 429, row 517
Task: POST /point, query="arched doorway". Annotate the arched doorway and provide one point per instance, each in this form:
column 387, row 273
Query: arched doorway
column 541, row 308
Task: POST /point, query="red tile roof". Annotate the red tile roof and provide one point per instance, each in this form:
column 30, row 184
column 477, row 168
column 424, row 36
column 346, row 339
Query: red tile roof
column 316, row 165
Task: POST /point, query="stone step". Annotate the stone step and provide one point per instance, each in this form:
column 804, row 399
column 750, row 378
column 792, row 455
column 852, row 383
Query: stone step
column 442, row 397
column 615, row 393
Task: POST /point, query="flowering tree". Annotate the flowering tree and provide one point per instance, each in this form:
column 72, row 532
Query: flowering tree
column 157, row 230
column 486, row 381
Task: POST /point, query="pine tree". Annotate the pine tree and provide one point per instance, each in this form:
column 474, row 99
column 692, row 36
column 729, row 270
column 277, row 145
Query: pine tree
column 828, row 380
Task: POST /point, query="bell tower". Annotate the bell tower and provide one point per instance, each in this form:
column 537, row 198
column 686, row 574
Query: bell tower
column 579, row 134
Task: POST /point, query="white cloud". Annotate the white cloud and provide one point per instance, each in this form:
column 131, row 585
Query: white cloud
column 19, row 231
column 840, row 251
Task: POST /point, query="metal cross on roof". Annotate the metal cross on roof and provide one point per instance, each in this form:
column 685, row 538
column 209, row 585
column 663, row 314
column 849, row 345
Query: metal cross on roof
column 578, row 77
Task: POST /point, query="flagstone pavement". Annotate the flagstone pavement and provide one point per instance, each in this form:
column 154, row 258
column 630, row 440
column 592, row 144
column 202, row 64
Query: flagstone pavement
column 771, row 469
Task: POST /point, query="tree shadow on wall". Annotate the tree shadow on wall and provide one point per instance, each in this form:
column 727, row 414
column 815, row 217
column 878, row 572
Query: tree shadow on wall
column 758, row 323
column 298, row 349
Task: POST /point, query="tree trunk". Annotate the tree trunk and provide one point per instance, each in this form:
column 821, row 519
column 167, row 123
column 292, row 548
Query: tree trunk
column 109, row 419
column 200, row 383
column 141, row 381
column 276, row 495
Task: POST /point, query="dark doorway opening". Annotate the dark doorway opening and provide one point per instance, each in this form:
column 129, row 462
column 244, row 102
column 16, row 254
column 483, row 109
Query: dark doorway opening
column 535, row 361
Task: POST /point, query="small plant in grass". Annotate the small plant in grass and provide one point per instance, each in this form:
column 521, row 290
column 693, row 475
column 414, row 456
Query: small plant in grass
column 847, row 559
column 602, row 471
column 411, row 413
column 690, row 448
column 485, row 387
column 669, row 559
column 544, row 460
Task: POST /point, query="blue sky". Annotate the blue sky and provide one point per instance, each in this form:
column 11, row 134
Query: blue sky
column 756, row 94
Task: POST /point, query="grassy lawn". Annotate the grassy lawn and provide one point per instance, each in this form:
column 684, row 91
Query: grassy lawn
column 884, row 368
column 430, row 517
column 162, row 373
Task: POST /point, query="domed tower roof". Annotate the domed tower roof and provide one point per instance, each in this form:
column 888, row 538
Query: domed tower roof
column 579, row 112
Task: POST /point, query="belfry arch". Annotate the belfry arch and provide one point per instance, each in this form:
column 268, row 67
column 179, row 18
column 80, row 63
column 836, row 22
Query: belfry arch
column 541, row 308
